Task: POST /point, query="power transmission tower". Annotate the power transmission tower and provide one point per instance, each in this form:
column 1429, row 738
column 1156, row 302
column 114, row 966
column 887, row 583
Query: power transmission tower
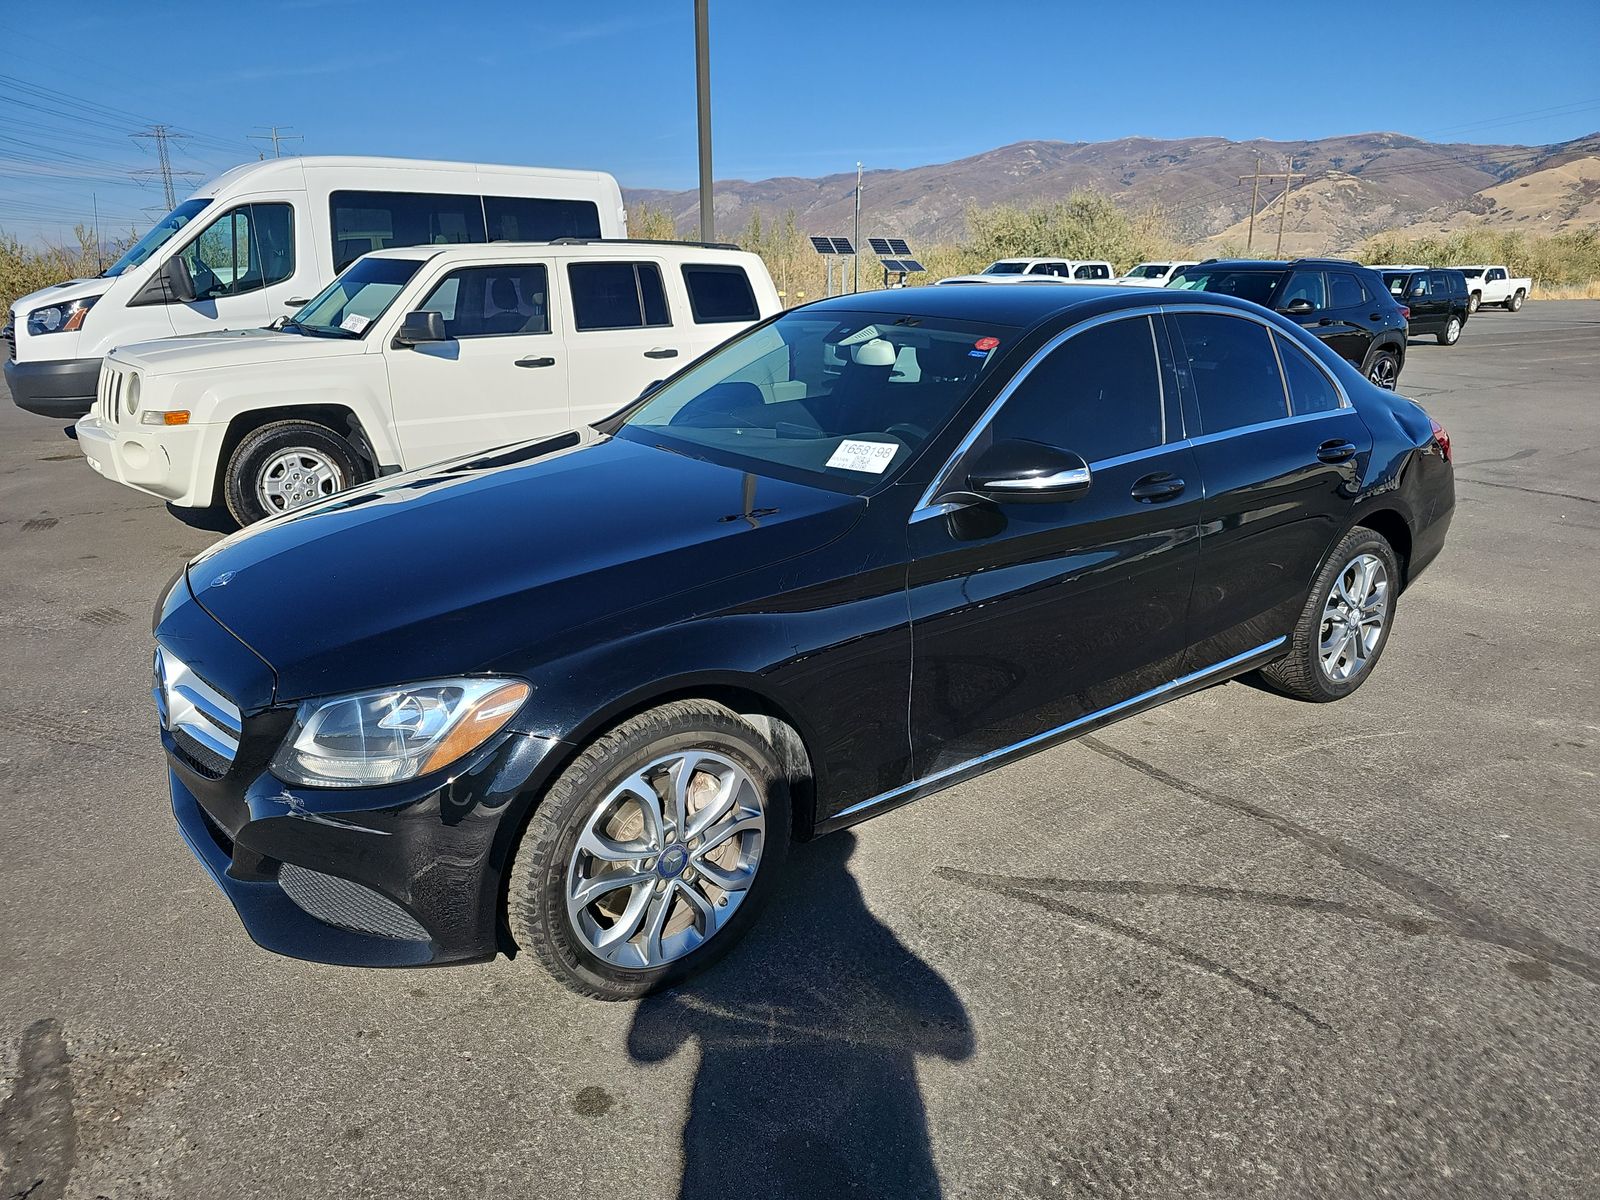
column 275, row 137
column 161, row 135
column 1256, row 178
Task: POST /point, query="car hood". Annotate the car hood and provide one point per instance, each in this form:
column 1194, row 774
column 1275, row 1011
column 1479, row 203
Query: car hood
column 231, row 348
column 60, row 293
column 487, row 564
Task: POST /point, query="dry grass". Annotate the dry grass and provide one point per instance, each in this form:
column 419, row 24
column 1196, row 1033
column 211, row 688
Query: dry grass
column 1566, row 291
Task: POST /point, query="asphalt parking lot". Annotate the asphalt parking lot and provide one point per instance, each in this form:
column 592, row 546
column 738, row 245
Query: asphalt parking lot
column 1237, row 946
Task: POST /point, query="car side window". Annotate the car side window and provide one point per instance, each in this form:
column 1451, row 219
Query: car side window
column 493, row 301
column 719, row 293
column 617, row 295
column 1097, row 394
column 1234, row 373
column 244, row 250
column 365, row 221
column 1439, row 283
column 1345, row 290
column 1420, row 285
column 1310, row 389
column 1305, row 285
column 1496, row 275
column 1092, row 271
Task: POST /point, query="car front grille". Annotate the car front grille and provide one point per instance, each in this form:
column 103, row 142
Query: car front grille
column 204, row 723
column 347, row 905
column 109, row 393
column 9, row 335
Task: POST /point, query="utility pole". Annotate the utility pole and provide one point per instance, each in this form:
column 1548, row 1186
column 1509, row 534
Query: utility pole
column 1256, row 178
column 856, row 286
column 162, row 135
column 1283, row 209
column 275, row 137
column 99, row 258
column 1255, row 199
column 702, row 81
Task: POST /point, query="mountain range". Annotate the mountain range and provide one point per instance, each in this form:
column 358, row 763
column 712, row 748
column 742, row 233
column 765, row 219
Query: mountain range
column 1352, row 186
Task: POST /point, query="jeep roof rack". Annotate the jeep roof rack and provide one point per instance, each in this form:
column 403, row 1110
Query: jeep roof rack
column 584, row 241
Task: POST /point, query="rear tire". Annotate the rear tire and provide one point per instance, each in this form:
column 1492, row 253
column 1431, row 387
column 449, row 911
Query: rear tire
column 1451, row 333
column 1475, row 299
column 1514, row 304
column 1336, row 643
column 613, row 947
column 287, row 465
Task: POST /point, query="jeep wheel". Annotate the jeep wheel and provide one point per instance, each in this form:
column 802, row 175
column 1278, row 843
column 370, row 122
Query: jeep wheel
column 287, row 465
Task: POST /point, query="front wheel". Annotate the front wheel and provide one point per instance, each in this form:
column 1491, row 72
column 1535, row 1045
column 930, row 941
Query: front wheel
column 1384, row 369
column 650, row 855
column 1451, row 333
column 287, row 465
column 1514, row 304
column 1345, row 623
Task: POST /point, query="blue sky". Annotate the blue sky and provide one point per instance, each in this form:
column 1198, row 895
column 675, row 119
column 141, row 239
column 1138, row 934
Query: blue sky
column 798, row 89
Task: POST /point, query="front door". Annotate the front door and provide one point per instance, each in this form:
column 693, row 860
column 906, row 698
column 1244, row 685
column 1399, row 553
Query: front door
column 1279, row 462
column 239, row 263
column 1028, row 616
column 500, row 377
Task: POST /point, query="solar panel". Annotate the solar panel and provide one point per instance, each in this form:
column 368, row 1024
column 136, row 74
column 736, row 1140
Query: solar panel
column 914, row 266
column 843, row 246
column 822, row 245
column 898, row 246
column 880, row 246
column 893, row 264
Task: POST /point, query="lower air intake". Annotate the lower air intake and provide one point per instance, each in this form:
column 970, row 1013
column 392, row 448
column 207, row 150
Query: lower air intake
column 347, row 905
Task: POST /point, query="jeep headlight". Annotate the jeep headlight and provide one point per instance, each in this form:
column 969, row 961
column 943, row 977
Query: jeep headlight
column 60, row 318
column 373, row 738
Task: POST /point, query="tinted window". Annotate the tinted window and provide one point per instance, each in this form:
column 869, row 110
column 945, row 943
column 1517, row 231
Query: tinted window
column 533, row 219
column 1305, row 285
column 364, row 221
column 616, row 295
column 1310, row 389
column 1093, row 271
column 1247, row 285
column 1495, row 275
column 1233, row 369
column 1344, row 290
column 1439, row 283
column 248, row 248
column 718, row 293
column 1098, row 394
column 489, row 301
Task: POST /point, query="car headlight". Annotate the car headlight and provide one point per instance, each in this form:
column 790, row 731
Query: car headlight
column 379, row 737
column 130, row 393
column 60, row 318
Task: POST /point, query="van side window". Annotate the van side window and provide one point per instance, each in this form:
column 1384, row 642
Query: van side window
column 244, row 250
column 719, row 293
column 534, row 219
column 1310, row 389
column 616, row 295
column 364, row 221
column 492, row 301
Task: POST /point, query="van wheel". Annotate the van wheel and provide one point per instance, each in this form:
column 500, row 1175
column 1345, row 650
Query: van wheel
column 287, row 465
column 1515, row 303
column 1475, row 299
column 1345, row 623
column 650, row 855
column 1451, row 334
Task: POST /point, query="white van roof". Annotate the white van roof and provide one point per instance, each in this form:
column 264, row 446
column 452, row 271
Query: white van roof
column 289, row 171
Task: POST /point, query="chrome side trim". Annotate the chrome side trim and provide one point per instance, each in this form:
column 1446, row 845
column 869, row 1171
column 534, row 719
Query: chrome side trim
column 1182, row 681
column 1071, row 477
column 1275, row 423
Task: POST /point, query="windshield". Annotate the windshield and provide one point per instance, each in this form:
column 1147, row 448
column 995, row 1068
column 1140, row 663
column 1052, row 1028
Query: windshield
column 842, row 400
column 1005, row 268
column 159, row 235
column 353, row 301
column 1148, row 271
column 1256, row 286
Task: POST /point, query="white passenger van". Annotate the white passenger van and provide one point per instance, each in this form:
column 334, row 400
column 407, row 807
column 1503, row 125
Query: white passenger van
column 410, row 357
column 257, row 242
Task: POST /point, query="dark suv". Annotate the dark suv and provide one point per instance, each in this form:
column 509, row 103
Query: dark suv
column 1436, row 299
column 1341, row 302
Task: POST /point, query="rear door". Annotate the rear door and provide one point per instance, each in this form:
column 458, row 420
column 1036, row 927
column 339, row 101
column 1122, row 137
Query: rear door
column 621, row 333
column 502, row 375
column 1279, row 451
column 1352, row 318
column 1025, row 617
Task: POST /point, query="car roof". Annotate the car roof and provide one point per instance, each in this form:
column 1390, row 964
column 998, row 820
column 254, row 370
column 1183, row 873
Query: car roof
column 569, row 248
column 1020, row 306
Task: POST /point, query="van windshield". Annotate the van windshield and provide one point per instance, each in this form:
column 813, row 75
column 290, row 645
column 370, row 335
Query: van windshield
column 353, row 301
column 158, row 237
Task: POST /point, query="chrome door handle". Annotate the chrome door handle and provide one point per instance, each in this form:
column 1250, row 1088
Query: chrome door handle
column 1336, row 451
column 1152, row 489
column 536, row 362
column 661, row 352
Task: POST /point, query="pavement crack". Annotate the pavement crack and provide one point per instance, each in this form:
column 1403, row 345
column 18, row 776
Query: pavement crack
column 1460, row 916
column 1517, row 487
column 38, row 1128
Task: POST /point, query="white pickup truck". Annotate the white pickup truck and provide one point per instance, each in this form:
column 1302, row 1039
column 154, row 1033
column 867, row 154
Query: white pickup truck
column 410, row 357
column 1493, row 284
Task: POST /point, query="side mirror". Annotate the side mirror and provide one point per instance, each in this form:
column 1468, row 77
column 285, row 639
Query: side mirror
column 1018, row 472
column 1419, row 290
column 1300, row 306
column 180, row 283
column 419, row 327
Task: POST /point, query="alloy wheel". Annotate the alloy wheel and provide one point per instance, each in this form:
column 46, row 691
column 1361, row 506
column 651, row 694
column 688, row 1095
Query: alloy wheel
column 665, row 860
column 1385, row 372
column 1354, row 617
column 295, row 478
column 1452, row 331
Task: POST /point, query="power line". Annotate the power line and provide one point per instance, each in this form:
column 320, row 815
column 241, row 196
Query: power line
column 161, row 135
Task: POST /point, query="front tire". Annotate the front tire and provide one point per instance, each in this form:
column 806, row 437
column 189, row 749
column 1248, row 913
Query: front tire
column 1451, row 333
column 1383, row 369
column 1514, row 304
column 651, row 854
column 287, row 465
column 1345, row 623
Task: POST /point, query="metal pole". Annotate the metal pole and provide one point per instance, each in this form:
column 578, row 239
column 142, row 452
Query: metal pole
column 1283, row 210
column 702, row 78
column 856, row 286
column 1255, row 199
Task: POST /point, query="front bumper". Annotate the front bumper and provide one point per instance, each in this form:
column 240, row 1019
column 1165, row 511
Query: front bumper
column 158, row 460
column 64, row 388
column 404, row 875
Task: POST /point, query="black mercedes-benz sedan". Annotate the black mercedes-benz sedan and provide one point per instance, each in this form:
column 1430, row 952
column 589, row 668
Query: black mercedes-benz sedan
column 576, row 697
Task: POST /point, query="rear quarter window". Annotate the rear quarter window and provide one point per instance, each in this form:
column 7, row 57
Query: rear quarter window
column 719, row 293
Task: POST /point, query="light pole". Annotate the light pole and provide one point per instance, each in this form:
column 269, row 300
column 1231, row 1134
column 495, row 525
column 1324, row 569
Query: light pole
column 856, row 286
column 702, row 80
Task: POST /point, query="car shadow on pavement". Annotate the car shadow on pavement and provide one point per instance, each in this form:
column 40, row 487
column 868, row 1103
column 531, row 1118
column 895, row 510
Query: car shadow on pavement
column 809, row 1035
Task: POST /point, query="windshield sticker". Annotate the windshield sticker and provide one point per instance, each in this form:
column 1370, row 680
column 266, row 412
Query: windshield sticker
column 355, row 322
column 871, row 457
column 986, row 343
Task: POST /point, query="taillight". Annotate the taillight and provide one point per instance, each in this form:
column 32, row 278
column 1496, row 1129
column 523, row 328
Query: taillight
column 1405, row 312
column 1442, row 438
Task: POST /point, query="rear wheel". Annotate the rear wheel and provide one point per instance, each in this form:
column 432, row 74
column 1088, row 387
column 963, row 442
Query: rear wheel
column 287, row 465
column 1514, row 304
column 1383, row 368
column 1451, row 333
column 1475, row 299
column 1345, row 623
column 650, row 855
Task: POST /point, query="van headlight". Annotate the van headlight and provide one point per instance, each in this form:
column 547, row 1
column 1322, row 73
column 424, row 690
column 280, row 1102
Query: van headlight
column 373, row 738
column 60, row 318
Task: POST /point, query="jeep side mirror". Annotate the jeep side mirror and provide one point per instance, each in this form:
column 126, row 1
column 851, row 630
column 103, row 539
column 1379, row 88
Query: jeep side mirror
column 1299, row 307
column 419, row 327
column 180, row 283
